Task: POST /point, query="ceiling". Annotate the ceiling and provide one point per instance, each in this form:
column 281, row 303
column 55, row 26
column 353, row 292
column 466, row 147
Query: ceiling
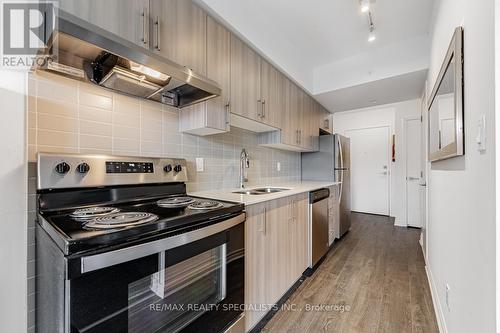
column 299, row 36
column 394, row 89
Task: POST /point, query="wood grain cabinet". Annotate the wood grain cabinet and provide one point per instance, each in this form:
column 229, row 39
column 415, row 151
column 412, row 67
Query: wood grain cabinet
column 128, row 19
column 272, row 83
column 178, row 32
column 275, row 251
column 212, row 116
column 245, row 81
column 325, row 120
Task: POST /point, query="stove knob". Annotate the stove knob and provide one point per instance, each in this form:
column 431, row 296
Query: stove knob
column 167, row 168
column 178, row 168
column 83, row 168
column 62, row 168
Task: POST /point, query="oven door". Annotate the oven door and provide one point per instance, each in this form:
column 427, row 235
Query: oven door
column 162, row 286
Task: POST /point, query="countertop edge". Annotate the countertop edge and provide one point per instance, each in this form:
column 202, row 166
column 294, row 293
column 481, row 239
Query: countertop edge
column 248, row 200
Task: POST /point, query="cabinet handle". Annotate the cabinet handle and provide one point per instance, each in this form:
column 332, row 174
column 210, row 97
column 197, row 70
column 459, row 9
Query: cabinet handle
column 260, row 109
column 144, row 38
column 158, row 33
column 297, row 139
column 263, row 108
column 264, row 224
column 228, row 115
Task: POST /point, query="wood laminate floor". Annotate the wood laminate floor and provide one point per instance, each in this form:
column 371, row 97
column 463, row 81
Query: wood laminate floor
column 373, row 280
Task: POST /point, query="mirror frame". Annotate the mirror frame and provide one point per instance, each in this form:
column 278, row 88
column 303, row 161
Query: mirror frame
column 457, row 148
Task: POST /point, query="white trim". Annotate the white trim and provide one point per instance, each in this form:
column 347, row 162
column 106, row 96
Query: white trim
column 435, row 301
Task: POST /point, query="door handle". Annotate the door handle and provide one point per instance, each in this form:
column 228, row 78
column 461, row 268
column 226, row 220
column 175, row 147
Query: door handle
column 412, row 178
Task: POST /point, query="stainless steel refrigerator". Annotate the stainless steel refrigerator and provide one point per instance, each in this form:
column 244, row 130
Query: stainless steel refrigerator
column 332, row 162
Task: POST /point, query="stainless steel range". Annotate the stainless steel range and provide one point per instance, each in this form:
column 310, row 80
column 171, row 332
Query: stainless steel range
column 122, row 248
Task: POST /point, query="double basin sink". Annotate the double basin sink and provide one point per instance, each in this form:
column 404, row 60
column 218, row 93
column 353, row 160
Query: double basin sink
column 262, row 190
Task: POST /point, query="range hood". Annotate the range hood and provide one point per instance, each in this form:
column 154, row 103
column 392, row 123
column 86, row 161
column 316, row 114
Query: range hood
column 80, row 50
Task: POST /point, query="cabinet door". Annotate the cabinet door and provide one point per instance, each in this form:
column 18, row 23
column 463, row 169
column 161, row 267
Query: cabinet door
column 298, row 220
column 219, row 70
column 257, row 272
column 212, row 116
column 290, row 134
column 325, row 121
column 277, row 250
column 178, row 33
column 128, row 19
column 273, row 95
column 245, row 81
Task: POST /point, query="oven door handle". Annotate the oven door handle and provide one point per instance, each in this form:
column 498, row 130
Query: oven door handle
column 107, row 259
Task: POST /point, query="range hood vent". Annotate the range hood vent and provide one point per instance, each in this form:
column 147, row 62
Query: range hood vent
column 83, row 51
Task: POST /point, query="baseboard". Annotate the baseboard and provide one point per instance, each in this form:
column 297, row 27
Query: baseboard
column 435, row 301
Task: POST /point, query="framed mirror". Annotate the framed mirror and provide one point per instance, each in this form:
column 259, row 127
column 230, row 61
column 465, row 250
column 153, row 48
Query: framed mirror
column 446, row 107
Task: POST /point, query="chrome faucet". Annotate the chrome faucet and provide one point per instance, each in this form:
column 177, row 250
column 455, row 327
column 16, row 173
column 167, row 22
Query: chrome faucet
column 244, row 164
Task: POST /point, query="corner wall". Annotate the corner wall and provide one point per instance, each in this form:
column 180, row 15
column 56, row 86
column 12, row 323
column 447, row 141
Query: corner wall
column 390, row 115
column 461, row 234
column 13, row 199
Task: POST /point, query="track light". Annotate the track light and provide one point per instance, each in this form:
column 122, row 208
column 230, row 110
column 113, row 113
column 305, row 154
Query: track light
column 365, row 6
column 371, row 27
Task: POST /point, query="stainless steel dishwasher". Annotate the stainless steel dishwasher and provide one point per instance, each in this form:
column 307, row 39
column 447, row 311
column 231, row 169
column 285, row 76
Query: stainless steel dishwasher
column 318, row 201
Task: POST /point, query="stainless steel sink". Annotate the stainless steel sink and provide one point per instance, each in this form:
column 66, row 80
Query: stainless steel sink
column 249, row 192
column 262, row 190
column 271, row 189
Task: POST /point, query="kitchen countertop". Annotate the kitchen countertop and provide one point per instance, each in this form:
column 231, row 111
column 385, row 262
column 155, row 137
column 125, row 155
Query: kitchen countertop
column 295, row 188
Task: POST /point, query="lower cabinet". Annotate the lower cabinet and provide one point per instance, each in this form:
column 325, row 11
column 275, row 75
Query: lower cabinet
column 275, row 252
column 333, row 214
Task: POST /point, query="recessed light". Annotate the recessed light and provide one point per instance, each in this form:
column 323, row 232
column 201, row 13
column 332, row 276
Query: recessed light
column 372, row 37
column 365, row 6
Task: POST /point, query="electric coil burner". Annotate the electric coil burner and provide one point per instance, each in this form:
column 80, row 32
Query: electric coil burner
column 120, row 220
column 204, row 205
column 119, row 238
column 175, row 202
column 92, row 212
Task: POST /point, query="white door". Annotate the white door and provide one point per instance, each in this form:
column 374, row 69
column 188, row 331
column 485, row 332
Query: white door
column 413, row 161
column 370, row 170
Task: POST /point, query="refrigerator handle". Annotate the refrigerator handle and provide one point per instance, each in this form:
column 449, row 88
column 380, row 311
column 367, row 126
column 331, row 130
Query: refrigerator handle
column 342, row 168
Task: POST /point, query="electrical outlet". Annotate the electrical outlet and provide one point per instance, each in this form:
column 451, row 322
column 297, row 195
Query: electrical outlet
column 448, row 296
column 278, row 166
column 200, row 164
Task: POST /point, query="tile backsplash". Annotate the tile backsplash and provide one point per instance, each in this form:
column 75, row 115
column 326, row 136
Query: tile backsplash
column 74, row 117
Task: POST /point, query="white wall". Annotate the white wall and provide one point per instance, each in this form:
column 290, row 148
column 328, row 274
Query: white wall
column 13, row 199
column 461, row 234
column 390, row 115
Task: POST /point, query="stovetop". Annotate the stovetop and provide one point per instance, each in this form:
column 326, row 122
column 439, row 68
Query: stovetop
column 73, row 235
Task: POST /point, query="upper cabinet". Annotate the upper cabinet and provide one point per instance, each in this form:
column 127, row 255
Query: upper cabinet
column 178, row 32
column 128, row 19
column 255, row 94
column 246, row 98
column 272, row 86
column 325, row 120
column 212, row 116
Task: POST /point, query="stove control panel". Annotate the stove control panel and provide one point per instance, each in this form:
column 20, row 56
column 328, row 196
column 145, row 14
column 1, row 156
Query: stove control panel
column 75, row 170
column 129, row 167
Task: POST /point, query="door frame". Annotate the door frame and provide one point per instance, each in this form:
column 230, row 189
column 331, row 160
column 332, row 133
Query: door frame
column 404, row 121
column 389, row 163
